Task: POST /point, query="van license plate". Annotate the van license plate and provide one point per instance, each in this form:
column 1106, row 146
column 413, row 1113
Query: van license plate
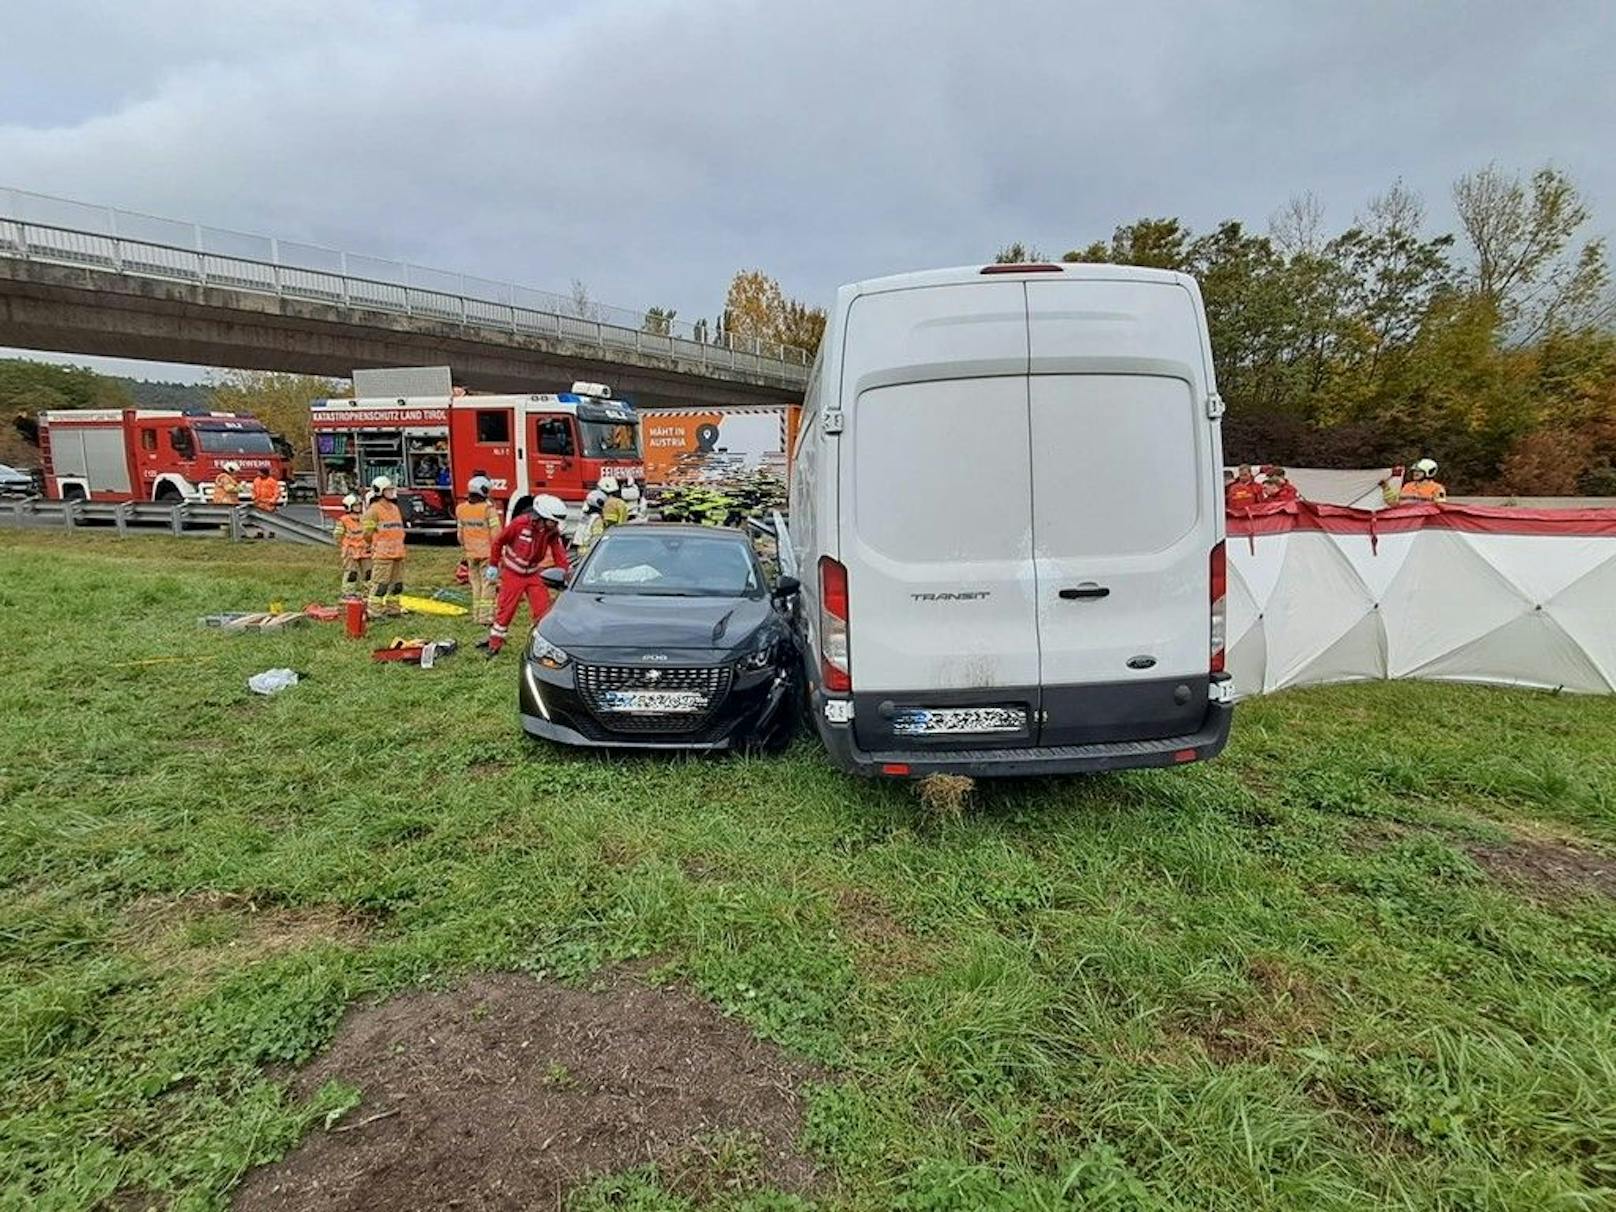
column 959, row 721
column 653, row 702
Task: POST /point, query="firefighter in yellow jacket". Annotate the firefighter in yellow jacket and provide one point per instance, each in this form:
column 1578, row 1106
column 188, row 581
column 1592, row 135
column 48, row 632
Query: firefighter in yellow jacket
column 354, row 544
column 383, row 525
column 615, row 511
column 476, row 521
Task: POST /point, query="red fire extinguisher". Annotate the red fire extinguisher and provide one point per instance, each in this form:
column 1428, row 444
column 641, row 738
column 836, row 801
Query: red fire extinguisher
column 354, row 623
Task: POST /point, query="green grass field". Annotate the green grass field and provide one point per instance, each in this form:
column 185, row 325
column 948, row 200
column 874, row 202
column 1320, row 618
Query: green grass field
column 1299, row 977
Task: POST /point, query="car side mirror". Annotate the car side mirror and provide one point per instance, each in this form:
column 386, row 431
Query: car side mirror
column 555, row 578
column 786, row 587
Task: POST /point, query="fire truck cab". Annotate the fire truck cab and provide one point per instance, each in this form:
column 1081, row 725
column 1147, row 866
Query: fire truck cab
column 561, row 444
column 150, row 454
column 431, row 445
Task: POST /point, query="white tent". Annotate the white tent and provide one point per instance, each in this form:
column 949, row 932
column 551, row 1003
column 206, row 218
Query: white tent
column 1358, row 487
column 1520, row 597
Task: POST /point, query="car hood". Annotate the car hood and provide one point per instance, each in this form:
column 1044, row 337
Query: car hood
column 584, row 620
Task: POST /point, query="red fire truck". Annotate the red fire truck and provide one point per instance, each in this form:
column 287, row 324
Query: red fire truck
column 431, row 445
column 150, row 454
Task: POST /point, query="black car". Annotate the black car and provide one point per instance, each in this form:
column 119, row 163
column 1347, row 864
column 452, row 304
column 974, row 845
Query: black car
column 668, row 637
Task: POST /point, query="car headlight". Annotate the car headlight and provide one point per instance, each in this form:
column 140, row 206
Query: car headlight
column 546, row 653
column 761, row 659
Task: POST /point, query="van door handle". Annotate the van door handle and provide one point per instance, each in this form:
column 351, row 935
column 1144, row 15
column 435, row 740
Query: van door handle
column 1085, row 592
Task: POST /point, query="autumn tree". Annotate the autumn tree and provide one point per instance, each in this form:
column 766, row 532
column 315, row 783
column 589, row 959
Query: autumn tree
column 1017, row 254
column 755, row 307
column 580, row 302
column 659, row 321
column 1522, row 237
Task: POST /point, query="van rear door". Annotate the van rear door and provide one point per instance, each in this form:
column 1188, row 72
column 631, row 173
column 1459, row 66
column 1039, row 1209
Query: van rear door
column 935, row 516
column 1122, row 522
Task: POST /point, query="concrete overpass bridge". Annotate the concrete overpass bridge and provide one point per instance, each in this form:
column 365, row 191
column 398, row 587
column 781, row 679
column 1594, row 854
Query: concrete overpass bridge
column 90, row 280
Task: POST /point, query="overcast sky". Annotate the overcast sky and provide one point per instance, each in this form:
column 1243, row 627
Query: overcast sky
column 652, row 148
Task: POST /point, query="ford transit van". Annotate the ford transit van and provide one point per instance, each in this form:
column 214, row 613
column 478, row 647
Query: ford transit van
column 1007, row 524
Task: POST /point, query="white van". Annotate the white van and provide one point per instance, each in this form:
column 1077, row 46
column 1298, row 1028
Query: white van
column 1007, row 521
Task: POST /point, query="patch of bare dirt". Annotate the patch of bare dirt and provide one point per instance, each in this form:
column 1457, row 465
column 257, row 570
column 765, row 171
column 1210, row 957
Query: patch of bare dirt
column 869, row 923
column 1554, row 869
column 1285, row 1012
column 702, row 867
column 1373, row 833
column 508, row 1092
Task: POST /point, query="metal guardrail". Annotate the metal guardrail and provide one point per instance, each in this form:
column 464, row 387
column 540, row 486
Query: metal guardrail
column 242, row 521
column 37, row 227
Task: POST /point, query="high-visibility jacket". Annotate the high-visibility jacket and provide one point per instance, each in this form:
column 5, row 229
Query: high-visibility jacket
column 385, row 526
column 266, row 493
column 588, row 531
column 350, row 534
column 615, row 511
column 226, row 489
column 476, row 522
column 1242, row 493
column 1416, row 492
column 528, row 544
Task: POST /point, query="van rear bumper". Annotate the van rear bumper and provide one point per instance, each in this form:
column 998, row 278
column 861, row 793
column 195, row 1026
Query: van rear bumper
column 1207, row 742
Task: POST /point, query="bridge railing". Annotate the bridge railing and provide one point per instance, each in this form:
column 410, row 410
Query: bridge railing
column 35, row 227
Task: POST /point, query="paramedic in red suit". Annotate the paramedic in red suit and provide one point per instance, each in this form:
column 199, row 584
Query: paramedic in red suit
column 531, row 543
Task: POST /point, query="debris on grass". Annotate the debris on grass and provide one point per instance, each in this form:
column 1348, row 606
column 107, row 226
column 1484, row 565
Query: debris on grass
column 272, row 681
column 510, row 1092
column 946, row 795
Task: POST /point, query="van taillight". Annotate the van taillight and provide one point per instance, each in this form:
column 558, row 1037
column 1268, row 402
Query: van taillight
column 835, row 667
column 1220, row 605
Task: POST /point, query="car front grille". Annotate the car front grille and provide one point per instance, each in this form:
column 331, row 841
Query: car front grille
column 594, row 682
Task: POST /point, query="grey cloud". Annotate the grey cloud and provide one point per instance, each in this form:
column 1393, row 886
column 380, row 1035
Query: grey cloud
column 653, row 148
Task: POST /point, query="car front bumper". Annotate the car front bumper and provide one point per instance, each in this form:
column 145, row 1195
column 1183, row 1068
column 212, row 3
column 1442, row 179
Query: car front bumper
column 552, row 708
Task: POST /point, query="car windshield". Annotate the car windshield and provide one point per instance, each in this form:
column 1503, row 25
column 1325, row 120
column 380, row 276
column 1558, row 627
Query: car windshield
column 610, row 440
column 235, row 441
column 638, row 560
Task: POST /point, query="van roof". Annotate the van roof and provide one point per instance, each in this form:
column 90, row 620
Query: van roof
column 961, row 274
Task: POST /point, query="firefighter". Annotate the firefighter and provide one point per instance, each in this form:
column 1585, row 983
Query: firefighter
column 1243, row 490
column 531, row 543
column 226, row 488
column 1277, row 487
column 383, row 525
column 266, row 491
column 1420, row 486
column 476, row 522
column 354, row 543
column 615, row 510
column 589, row 526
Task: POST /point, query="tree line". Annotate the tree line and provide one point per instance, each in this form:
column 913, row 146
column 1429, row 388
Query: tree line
column 1490, row 348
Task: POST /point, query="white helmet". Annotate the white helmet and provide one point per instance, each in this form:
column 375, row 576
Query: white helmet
column 1428, row 466
column 349, row 501
column 631, row 493
column 595, row 501
column 381, row 483
column 607, row 484
column 480, row 484
column 550, row 508
column 232, row 466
